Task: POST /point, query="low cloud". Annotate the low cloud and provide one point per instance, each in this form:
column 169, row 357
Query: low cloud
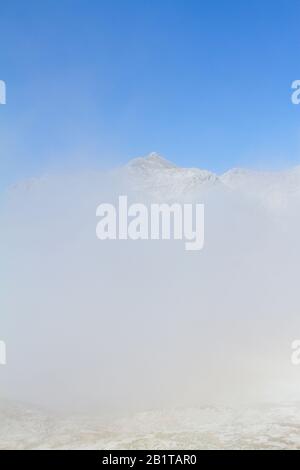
column 129, row 325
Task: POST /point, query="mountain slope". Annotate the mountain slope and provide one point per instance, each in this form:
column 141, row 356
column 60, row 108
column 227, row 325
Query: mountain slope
column 159, row 177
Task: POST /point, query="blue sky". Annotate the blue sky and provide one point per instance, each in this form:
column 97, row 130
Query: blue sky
column 93, row 83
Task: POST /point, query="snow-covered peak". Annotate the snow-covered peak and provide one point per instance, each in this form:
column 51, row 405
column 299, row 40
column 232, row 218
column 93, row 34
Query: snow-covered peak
column 153, row 161
column 157, row 176
column 153, row 175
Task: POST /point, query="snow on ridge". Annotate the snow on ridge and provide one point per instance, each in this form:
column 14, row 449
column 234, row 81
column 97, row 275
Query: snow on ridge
column 153, row 161
column 156, row 176
column 273, row 188
column 159, row 177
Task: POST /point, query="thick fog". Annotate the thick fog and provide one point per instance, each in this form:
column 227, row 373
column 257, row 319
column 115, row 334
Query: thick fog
column 113, row 326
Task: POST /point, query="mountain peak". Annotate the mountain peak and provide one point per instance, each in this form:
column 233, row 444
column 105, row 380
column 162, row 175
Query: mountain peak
column 153, row 161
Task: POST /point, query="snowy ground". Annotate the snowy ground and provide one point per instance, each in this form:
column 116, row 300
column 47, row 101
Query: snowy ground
column 261, row 427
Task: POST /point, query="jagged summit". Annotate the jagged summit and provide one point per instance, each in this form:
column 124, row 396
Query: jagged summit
column 153, row 161
column 155, row 175
column 158, row 176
